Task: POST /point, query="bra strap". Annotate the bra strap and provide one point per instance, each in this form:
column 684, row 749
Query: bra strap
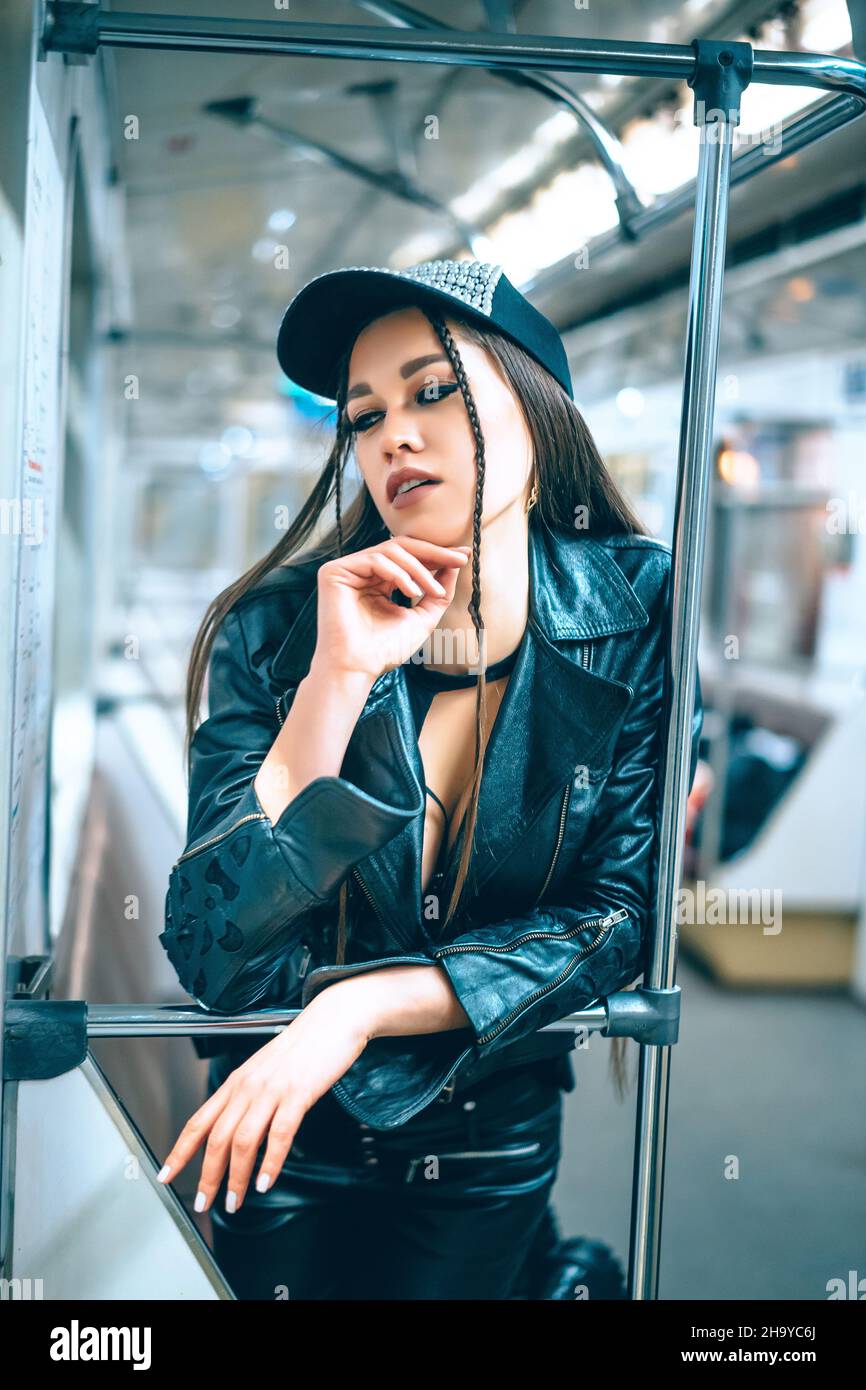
column 438, row 802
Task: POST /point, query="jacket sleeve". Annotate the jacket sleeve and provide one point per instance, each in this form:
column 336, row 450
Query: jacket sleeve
column 242, row 893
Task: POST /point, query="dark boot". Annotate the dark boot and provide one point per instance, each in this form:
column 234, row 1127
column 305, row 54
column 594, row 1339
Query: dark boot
column 562, row 1269
column 581, row 1268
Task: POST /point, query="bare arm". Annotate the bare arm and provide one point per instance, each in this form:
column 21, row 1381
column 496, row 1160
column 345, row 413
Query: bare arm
column 360, row 634
column 396, row 1001
column 313, row 740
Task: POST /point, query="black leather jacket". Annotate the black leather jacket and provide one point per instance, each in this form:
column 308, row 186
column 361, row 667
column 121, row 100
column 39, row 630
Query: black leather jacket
column 562, row 883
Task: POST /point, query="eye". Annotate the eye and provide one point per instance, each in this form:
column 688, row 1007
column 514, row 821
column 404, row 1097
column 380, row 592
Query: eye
column 428, row 394
column 435, row 391
column 363, row 421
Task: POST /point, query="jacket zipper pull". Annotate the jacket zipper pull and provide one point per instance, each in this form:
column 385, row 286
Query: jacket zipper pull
column 305, row 961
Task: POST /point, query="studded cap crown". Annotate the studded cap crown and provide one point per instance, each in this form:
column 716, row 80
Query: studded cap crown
column 471, row 281
column 326, row 316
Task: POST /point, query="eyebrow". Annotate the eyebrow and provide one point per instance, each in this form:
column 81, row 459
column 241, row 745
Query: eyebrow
column 408, row 369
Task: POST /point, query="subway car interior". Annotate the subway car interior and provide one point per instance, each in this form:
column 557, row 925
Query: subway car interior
column 168, row 182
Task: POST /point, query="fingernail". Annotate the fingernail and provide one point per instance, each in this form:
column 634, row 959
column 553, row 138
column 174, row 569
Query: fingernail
column 263, row 1182
column 231, row 1201
column 200, row 1201
column 416, row 588
column 163, row 1173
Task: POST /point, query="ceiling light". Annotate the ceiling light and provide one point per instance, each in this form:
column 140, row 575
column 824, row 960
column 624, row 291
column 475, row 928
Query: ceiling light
column 630, row 402
column 237, row 439
column 214, row 457
column 281, row 220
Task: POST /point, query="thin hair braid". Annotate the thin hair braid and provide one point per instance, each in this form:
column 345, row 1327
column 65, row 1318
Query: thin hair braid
column 343, row 435
column 458, row 861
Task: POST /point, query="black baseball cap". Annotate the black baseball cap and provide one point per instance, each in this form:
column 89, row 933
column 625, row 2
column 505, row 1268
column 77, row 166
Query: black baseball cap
column 329, row 313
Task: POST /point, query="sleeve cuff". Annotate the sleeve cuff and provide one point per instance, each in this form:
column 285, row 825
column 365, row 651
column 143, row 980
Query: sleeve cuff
column 330, row 826
column 394, row 1077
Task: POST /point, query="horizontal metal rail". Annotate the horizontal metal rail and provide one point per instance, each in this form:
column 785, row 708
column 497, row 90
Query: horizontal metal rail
column 147, row 1021
column 83, row 28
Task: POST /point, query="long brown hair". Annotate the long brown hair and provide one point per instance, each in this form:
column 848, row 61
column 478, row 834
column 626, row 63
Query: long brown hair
column 568, row 472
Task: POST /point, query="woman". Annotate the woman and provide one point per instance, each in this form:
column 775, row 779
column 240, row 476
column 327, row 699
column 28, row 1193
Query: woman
column 488, row 603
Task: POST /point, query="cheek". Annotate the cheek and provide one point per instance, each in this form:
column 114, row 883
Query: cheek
column 508, row 457
column 373, row 478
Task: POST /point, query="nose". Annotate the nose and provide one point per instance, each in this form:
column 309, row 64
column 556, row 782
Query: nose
column 399, row 434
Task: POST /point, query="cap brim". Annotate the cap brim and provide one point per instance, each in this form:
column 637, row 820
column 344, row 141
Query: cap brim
column 327, row 315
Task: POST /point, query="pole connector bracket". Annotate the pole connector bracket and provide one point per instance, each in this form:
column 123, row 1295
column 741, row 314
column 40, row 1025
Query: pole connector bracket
column 43, row 1038
column 721, row 74
column 647, row 1015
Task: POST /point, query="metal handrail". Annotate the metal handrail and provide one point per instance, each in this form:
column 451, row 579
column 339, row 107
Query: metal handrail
column 179, row 1020
column 83, row 28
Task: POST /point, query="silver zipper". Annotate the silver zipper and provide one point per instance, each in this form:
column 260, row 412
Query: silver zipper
column 540, row 935
column 605, row 923
column 562, row 817
column 214, row 839
column 383, row 922
column 369, row 896
column 279, row 716
column 585, row 660
column 516, row 1151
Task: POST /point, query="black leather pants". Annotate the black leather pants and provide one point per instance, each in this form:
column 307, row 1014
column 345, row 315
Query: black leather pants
column 446, row 1206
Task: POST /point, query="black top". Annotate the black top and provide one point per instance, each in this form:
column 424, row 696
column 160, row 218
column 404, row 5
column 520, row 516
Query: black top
column 432, row 679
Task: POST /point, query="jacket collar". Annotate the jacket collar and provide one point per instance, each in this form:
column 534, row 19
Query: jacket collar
column 556, row 718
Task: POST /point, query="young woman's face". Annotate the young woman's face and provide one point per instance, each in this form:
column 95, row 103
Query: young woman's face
column 406, row 410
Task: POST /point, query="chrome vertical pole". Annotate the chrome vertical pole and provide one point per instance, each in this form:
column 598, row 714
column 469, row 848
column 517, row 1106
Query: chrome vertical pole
column 722, row 70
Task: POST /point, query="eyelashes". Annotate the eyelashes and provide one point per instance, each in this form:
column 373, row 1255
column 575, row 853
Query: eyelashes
column 367, row 418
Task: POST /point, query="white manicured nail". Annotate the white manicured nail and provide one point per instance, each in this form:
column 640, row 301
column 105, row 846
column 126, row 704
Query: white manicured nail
column 163, row 1173
column 263, row 1182
column 200, row 1201
column 231, row 1200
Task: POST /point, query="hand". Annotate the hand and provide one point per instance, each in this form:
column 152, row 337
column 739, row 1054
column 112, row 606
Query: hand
column 273, row 1089
column 359, row 628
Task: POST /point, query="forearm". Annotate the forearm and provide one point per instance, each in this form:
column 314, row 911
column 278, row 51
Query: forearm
column 398, row 1001
column 313, row 740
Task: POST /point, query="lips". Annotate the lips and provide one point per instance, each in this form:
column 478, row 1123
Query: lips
column 406, row 475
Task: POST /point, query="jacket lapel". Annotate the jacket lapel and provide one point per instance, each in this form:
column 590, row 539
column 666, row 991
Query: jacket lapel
column 556, row 715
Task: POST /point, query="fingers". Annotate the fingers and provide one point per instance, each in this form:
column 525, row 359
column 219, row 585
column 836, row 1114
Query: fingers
column 428, row 550
column 386, row 568
column 424, row 573
column 394, row 563
column 235, row 1138
column 433, row 604
column 284, row 1127
column 193, row 1134
column 284, row 1117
